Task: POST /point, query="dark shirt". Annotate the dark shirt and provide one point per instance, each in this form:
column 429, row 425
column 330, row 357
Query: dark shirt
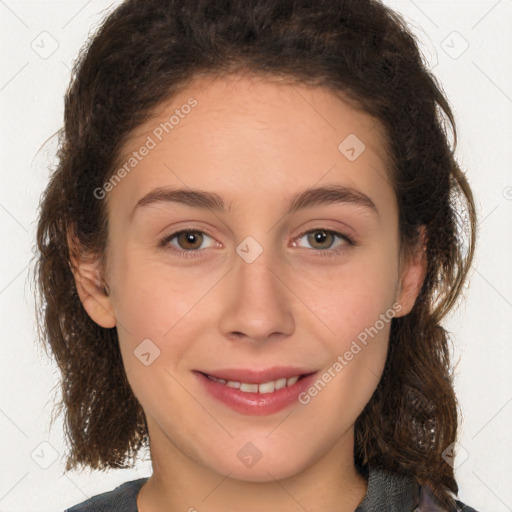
column 386, row 492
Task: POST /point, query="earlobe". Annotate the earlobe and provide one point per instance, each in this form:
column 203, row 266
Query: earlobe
column 91, row 289
column 413, row 274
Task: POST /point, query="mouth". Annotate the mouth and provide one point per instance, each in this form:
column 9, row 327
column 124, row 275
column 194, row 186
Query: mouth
column 259, row 387
column 256, row 392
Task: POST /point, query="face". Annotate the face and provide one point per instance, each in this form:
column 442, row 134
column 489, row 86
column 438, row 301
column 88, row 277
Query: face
column 264, row 288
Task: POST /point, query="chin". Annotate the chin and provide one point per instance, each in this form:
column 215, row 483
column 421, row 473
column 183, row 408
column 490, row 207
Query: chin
column 252, row 465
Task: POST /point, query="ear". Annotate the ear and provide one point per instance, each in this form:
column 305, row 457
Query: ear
column 92, row 290
column 412, row 273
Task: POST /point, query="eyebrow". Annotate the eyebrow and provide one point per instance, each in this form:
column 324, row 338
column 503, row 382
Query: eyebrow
column 314, row 196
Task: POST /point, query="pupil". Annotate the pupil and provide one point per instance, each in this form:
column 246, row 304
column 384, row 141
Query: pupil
column 191, row 237
column 320, row 236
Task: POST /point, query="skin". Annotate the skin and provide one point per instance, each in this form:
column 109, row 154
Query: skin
column 255, row 142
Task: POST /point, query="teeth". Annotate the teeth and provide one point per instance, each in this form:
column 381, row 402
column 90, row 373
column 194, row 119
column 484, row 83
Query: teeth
column 266, row 387
column 291, row 381
column 280, row 383
column 248, row 388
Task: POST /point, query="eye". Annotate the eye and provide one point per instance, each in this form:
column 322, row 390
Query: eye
column 322, row 240
column 188, row 241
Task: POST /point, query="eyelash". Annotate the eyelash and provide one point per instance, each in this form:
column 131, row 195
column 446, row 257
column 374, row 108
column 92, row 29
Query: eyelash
column 164, row 243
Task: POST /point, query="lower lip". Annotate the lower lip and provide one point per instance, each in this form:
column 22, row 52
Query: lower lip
column 255, row 404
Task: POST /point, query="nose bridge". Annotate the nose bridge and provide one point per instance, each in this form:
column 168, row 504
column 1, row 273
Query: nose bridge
column 256, row 266
column 256, row 269
column 258, row 305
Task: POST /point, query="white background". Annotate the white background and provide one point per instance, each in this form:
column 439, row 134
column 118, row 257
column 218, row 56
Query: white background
column 478, row 83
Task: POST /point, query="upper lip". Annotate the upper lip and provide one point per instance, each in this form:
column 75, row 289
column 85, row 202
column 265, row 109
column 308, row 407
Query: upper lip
column 257, row 376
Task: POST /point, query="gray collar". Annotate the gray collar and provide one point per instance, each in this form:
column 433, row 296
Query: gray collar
column 386, row 492
column 391, row 492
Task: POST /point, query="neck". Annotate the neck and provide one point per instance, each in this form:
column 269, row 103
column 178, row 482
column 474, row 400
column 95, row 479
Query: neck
column 181, row 482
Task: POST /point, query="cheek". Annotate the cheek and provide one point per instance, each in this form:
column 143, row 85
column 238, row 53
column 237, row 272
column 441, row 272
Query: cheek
column 349, row 298
column 155, row 330
column 358, row 315
column 150, row 297
column 153, row 310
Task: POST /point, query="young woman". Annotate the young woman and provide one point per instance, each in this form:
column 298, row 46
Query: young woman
column 246, row 252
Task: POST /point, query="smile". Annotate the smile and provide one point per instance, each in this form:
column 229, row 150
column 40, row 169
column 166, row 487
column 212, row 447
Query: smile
column 268, row 393
column 266, row 387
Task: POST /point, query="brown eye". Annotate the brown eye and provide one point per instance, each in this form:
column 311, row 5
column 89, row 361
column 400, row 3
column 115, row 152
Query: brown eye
column 189, row 239
column 320, row 237
column 187, row 242
column 322, row 242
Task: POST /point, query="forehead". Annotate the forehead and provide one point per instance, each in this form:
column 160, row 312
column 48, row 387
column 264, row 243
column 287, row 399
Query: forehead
column 268, row 102
column 250, row 133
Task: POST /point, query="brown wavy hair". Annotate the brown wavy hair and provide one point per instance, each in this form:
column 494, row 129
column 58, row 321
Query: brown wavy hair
column 147, row 50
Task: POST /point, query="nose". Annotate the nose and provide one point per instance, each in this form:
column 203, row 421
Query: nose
column 257, row 301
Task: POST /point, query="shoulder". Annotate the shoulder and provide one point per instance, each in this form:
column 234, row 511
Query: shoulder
column 428, row 502
column 122, row 499
column 395, row 492
column 461, row 507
